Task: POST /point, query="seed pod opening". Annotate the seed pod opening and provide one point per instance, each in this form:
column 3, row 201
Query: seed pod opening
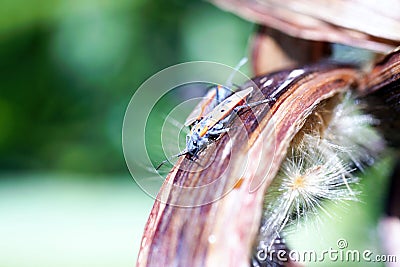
column 319, row 167
column 209, row 210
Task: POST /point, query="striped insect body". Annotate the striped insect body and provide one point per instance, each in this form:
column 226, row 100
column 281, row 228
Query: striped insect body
column 211, row 100
column 211, row 119
column 215, row 123
column 214, row 97
column 206, row 128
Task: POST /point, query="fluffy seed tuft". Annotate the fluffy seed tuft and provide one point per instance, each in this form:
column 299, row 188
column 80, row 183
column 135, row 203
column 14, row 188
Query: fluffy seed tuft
column 319, row 166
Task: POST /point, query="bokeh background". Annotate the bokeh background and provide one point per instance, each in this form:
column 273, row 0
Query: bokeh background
column 68, row 71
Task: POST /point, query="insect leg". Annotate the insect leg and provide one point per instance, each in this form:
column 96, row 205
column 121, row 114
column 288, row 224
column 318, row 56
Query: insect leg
column 184, row 152
column 223, row 123
column 254, row 104
column 222, row 93
column 236, row 69
column 218, row 131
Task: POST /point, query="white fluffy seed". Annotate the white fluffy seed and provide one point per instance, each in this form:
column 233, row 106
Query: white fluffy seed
column 319, row 168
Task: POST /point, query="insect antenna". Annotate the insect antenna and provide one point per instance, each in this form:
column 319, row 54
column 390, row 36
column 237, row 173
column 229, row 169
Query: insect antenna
column 169, row 158
column 236, row 69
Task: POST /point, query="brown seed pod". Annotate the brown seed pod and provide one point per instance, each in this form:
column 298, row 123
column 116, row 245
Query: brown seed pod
column 209, row 209
column 366, row 24
column 294, row 33
column 273, row 50
column 381, row 89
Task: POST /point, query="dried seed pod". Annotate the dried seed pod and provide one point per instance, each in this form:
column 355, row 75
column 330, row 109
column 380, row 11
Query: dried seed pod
column 346, row 22
column 209, row 210
column 273, row 50
column 381, row 89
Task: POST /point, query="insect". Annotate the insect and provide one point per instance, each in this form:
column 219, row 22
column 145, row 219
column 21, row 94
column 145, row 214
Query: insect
column 214, row 97
column 205, row 129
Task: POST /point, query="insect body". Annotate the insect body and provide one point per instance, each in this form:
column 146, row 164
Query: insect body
column 214, row 97
column 215, row 123
column 206, row 128
column 211, row 100
column 209, row 120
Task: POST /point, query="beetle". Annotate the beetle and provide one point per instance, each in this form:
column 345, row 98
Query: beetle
column 208, row 128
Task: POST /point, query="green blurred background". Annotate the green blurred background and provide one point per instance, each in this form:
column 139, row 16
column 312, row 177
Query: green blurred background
column 68, row 71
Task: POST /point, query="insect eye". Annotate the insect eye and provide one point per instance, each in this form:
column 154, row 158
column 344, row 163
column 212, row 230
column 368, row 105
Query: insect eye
column 198, row 130
column 195, row 143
